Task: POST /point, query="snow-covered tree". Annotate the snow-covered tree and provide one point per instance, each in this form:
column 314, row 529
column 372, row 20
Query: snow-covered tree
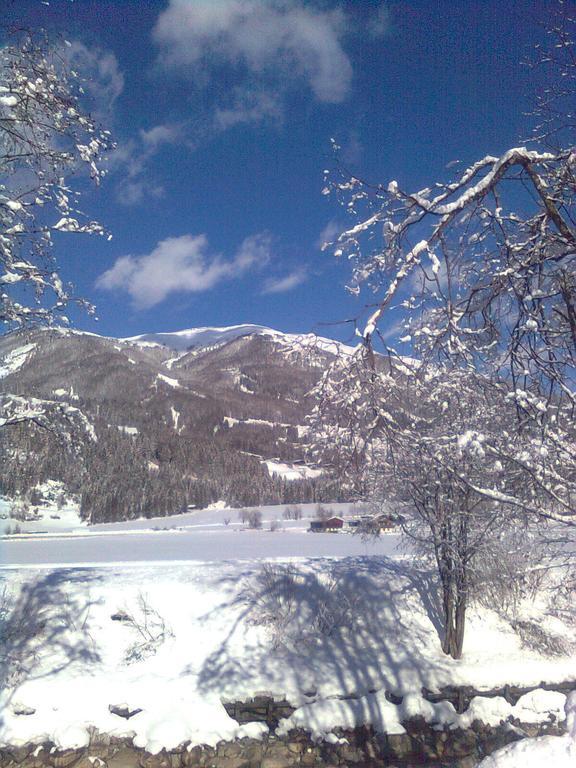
column 45, row 137
column 480, row 272
column 479, row 275
column 435, row 446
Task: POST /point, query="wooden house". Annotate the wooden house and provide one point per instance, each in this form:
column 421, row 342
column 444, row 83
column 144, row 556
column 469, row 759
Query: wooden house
column 331, row 525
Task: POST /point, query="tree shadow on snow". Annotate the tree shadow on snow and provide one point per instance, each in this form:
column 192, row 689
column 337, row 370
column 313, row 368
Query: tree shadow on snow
column 43, row 628
column 359, row 624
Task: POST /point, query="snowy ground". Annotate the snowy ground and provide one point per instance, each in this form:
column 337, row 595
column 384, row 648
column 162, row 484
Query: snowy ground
column 314, row 617
column 219, row 631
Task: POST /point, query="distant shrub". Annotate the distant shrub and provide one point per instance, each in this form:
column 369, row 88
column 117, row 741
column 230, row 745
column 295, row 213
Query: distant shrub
column 292, row 512
column 19, row 510
column 255, row 519
column 35, row 497
column 252, row 517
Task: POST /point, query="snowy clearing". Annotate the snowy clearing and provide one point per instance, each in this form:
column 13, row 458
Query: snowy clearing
column 183, row 545
column 213, row 534
column 127, row 430
column 15, row 359
column 291, row 471
column 174, row 383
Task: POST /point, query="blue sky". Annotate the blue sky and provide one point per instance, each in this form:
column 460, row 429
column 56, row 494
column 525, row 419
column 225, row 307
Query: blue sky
column 223, row 111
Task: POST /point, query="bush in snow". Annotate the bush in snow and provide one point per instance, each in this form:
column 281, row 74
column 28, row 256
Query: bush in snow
column 150, row 628
column 299, row 607
column 20, row 510
column 17, row 529
column 536, row 638
column 513, row 569
column 322, row 513
column 252, row 517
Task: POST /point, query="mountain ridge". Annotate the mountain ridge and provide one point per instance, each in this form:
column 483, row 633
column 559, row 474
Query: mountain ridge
column 189, row 338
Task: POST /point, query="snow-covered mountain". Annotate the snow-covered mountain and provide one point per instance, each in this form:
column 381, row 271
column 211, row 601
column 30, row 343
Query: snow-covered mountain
column 200, row 337
column 220, row 411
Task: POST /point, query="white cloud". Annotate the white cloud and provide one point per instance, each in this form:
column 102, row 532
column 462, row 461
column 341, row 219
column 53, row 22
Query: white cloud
column 329, row 234
column 379, row 24
column 161, row 134
column 182, row 264
column 392, row 332
column 287, row 283
column 133, row 191
column 352, row 149
column 131, row 160
column 103, row 79
column 429, row 278
column 254, row 252
column 271, row 47
column 248, row 106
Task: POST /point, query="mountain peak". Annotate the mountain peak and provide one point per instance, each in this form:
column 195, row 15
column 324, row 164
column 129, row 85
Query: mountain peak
column 200, row 337
column 208, row 336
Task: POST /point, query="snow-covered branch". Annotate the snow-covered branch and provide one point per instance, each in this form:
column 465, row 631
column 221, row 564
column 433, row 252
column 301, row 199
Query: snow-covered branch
column 67, row 422
column 45, row 136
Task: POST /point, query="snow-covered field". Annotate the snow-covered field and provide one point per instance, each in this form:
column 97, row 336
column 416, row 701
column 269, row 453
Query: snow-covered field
column 219, row 515
column 214, row 534
column 210, row 611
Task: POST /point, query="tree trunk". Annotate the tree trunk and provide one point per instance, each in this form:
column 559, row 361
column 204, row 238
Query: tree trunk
column 454, row 602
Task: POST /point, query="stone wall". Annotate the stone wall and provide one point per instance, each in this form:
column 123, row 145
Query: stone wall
column 361, row 746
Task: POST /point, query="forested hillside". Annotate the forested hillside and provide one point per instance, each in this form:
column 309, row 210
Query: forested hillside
column 179, row 426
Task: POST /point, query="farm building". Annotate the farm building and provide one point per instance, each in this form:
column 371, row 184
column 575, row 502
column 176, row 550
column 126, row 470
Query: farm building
column 370, row 524
column 331, row 525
